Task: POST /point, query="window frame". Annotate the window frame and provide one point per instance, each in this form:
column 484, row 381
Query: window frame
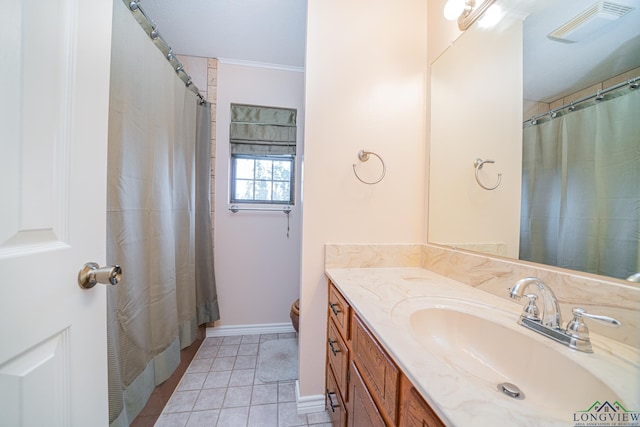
column 291, row 158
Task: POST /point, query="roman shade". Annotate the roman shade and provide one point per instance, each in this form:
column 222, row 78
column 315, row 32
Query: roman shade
column 259, row 130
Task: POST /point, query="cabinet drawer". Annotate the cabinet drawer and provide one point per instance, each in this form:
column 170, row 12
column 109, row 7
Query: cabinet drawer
column 378, row 371
column 338, row 357
column 339, row 311
column 334, row 403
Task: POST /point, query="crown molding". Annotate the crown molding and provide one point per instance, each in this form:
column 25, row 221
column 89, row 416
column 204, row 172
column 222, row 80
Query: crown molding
column 260, row 65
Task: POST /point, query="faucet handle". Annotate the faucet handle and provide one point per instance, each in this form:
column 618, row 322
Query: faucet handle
column 576, row 328
column 531, row 309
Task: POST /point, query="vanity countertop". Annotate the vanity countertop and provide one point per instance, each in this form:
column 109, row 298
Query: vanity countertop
column 382, row 296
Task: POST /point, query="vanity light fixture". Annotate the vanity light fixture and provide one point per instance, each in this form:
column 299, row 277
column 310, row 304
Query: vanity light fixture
column 491, row 17
column 454, row 8
column 466, row 11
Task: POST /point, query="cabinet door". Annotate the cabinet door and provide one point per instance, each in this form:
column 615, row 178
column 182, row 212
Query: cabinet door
column 362, row 409
column 378, row 370
column 414, row 411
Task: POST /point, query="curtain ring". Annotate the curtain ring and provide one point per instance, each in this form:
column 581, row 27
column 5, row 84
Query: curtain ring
column 478, row 163
column 363, row 156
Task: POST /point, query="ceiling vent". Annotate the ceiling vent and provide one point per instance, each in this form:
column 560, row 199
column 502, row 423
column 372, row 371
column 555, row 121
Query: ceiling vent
column 588, row 22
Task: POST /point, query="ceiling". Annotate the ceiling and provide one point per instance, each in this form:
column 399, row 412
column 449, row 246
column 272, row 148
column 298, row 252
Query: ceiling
column 273, row 32
column 265, row 31
column 554, row 69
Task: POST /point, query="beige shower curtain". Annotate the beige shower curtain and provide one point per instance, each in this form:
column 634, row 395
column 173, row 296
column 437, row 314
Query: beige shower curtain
column 581, row 188
column 155, row 199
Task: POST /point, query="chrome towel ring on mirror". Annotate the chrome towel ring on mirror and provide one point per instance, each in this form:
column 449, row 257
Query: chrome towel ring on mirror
column 478, row 163
column 363, row 156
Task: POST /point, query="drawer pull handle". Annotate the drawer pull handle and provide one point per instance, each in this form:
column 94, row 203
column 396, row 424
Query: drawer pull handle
column 334, row 308
column 331, row 404
column 334, row 350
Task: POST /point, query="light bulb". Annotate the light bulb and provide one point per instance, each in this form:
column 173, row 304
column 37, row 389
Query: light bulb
column 491, row 17
column 453, row 9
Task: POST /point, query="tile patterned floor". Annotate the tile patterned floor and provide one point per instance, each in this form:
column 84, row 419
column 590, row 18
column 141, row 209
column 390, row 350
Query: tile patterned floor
column 221, row 389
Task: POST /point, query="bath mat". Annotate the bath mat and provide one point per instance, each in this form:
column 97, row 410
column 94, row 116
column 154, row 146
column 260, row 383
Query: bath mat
column 278, row 360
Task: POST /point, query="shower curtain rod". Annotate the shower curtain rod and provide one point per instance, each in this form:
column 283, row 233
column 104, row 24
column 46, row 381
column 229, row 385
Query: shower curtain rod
column 599, row 95
column 152, row 31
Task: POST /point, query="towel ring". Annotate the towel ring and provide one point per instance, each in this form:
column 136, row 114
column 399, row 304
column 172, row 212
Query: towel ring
column 478, row 163
column 363, row 156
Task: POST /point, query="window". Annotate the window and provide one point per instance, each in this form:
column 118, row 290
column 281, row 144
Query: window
column 263, row 148
column 263, row 179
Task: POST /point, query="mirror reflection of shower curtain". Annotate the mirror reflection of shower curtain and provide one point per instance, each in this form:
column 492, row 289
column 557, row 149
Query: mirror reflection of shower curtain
column 154, row 199
column 581, row 188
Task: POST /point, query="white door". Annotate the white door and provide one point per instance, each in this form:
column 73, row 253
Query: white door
column 54, row 91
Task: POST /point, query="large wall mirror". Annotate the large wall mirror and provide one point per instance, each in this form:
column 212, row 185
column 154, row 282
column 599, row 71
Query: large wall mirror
column 484, row 89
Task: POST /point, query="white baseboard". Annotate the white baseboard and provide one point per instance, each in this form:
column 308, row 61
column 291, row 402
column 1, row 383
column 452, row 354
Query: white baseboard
column 309, row 404
column 268, row 328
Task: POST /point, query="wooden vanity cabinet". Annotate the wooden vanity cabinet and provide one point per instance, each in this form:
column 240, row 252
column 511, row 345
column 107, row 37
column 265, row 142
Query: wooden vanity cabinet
column 363, row 410
column 339, row 312
column 338, row 356
column 334, row 403
column 364, row 385
column 414, row 411
column 378, row 371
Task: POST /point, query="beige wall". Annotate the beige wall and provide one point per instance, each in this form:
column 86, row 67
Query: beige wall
column 365, row 89
column 257, row 265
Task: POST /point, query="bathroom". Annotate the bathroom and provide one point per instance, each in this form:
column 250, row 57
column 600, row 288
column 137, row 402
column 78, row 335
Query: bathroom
column 365, row 75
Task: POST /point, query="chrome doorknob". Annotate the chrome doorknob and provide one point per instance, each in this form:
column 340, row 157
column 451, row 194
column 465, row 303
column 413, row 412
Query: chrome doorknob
column 91, row 273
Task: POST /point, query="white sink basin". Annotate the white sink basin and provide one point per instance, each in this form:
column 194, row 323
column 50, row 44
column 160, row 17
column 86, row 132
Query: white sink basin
column 497, row 354
column 486, row 347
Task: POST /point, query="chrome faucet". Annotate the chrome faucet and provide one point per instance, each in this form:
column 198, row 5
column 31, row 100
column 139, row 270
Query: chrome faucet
column 551, row 316
column 576, row 335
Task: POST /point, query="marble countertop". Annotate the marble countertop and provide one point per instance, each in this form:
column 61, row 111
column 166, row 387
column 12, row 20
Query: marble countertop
column 384, row 297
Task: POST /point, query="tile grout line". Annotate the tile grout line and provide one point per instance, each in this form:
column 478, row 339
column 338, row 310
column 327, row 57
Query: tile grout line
column 322, row 419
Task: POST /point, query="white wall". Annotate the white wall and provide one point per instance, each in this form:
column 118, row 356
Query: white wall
column 365, row 88
column 257, row 266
